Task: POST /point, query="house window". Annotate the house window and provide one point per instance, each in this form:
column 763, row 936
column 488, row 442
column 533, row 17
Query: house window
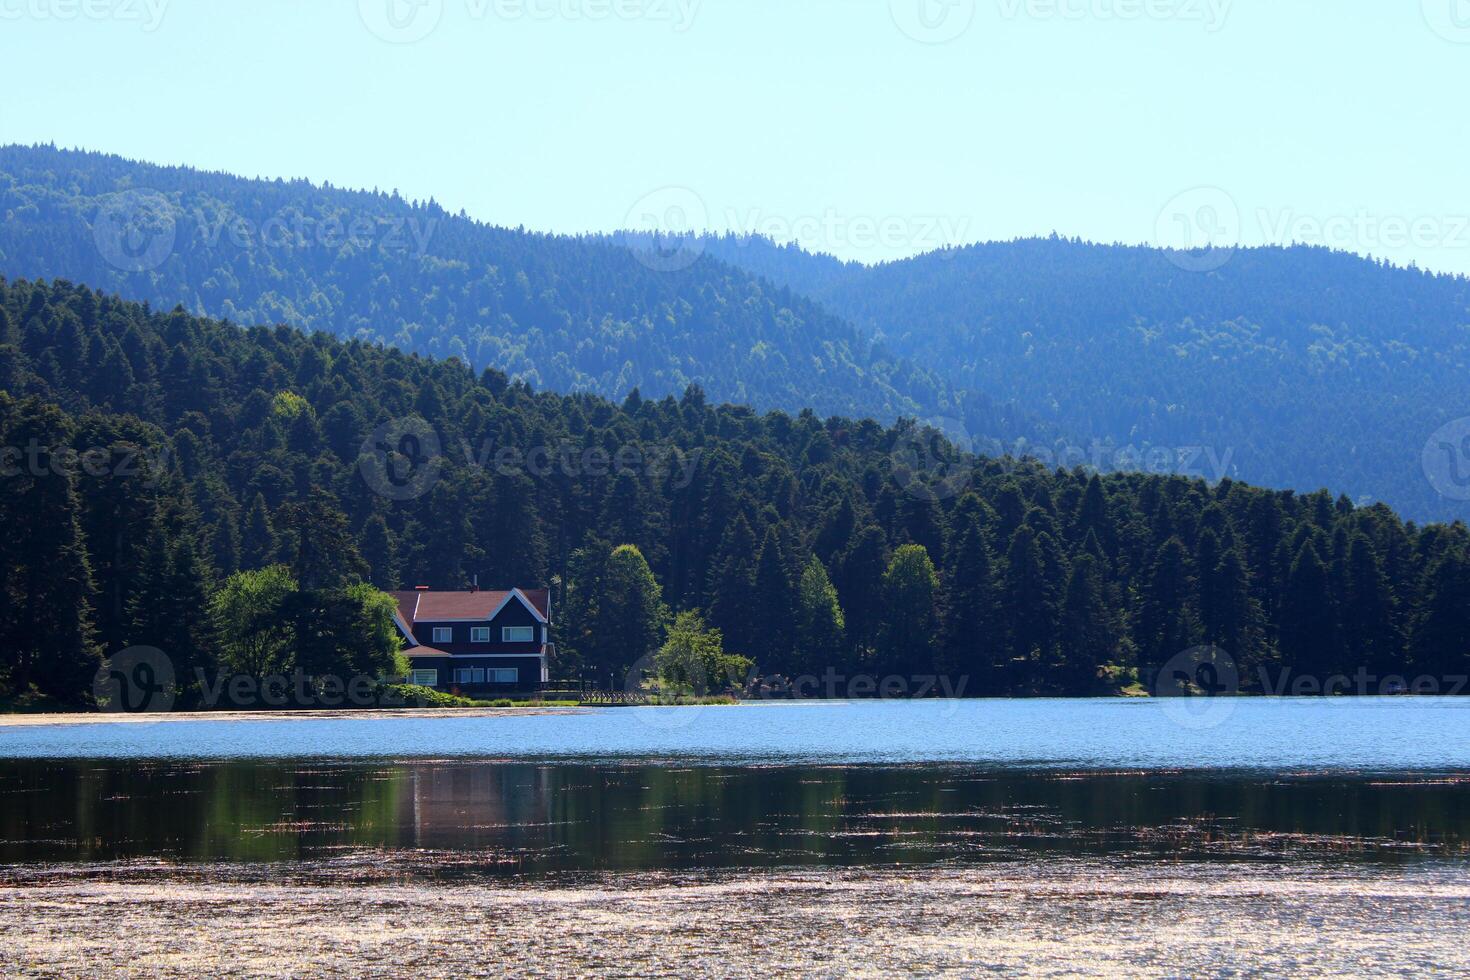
column 504, row 675
column 479, row 634
column 443, row 634
column 425, row 678
column 469, row 675
column 517, row 634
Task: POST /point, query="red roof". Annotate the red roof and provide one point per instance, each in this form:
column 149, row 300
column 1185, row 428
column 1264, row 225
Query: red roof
column 429, row 606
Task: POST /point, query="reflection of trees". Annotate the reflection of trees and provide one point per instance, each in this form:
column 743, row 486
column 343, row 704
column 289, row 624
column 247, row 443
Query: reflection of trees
column 525, row 817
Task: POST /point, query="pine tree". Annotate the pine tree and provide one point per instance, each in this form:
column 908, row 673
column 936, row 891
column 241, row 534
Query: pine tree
column 974, row 623
column 49, row 640
column 1369, row 612
column 258, row 545
column 1441, row 642
column 773, row 607
column 1031, row 600
column 324, row 554
column 731, row 584
column 1169, row 614
column 380, row 551
column 859, row 584
column 1308, row 631
column 1089, row 633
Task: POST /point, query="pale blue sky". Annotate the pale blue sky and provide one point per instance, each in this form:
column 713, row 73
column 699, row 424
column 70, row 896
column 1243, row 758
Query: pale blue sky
column 1343, row 121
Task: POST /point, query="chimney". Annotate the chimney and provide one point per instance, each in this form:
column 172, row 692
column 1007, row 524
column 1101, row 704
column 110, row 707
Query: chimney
column 476, row 586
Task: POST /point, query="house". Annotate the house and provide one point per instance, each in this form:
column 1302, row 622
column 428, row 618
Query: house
column 478, row 642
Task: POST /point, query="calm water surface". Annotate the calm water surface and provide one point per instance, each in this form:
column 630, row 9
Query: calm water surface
column 1387, row 734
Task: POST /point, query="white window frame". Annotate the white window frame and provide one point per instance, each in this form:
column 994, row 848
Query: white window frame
column 479, row 634
column 469, row 675
column 503, row 675
column 424, row 677
column 505, row 634
column 443, row 634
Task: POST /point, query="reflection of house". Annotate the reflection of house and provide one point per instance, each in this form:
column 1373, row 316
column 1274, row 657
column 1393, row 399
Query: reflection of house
column 462, row 807
column 479, row 642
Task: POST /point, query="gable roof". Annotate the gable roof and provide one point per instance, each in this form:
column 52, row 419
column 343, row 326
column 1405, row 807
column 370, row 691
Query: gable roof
column 442, row 607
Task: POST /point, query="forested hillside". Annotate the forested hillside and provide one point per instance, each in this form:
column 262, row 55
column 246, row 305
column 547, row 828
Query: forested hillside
column 569, row 314
column 1311, row 368
column 150, row 453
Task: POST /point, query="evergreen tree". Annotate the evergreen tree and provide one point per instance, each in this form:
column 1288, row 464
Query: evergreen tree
column 1169, row 614
column 859, row 585
column 1441, row 642
column 731, row 585
column 324, row 554
column 48, row 640
column 380, row 551
column 258, row 544
column 1369, row 612
column 1031, row 600
column 773, row 607
column 974, row 623
column 1089, row 638
column 1307, row 627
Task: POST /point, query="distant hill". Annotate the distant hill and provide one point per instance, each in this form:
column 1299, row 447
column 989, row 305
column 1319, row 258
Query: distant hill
column 564, row 313
column 1308, row 367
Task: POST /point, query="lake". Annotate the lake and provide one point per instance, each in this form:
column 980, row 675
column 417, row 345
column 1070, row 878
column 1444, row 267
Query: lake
column 1025, row 837
column 1181, row 733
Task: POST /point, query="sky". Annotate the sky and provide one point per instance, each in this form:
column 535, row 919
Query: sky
column 871, row 129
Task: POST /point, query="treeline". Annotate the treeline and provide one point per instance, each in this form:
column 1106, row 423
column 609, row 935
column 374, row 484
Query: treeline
column 809, row 543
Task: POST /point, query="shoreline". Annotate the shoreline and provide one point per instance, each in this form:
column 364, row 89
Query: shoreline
column 61, row 718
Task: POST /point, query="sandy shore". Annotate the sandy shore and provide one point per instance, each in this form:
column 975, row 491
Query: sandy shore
column 1040, row 920
column 111, row 718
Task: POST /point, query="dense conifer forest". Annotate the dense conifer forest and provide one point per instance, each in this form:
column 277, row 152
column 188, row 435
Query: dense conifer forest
column 149, row 454
column 1304, row 366
column 564, row 313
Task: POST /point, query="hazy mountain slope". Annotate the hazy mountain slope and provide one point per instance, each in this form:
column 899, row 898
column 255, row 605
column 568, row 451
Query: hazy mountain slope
column 571, row 314
column 1309, row 367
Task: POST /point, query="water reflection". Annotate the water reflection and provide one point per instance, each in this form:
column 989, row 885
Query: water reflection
column 428, row 818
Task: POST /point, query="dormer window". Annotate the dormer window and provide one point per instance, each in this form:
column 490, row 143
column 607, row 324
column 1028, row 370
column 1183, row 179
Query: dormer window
column 517, row 634
column 479, row 634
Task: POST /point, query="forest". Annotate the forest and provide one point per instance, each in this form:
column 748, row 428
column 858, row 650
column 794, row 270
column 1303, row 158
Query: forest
column 1308, row 367
column 565, row 313
column 150, row 455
